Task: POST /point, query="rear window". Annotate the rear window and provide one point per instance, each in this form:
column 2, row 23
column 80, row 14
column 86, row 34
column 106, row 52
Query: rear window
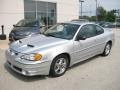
column 99, row 30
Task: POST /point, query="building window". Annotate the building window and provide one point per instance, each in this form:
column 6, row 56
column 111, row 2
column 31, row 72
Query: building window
column 44, row 11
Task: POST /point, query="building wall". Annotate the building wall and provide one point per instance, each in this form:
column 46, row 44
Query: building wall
column 11, row 11
column 66, row 9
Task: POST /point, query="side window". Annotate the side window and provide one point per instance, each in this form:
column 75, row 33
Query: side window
column 99, row 30
column 88, row 31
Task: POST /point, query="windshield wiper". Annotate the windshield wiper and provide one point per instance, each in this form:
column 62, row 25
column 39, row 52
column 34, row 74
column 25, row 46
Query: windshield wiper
column 49, row 35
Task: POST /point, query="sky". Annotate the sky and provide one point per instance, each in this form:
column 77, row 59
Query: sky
column 90, row 5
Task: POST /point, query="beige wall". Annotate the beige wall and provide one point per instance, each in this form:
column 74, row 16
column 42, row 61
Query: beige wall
column 11, row 11
column 66, row 9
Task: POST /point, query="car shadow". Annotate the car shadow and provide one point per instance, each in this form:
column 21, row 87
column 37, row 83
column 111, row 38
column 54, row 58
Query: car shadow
column 24, row 78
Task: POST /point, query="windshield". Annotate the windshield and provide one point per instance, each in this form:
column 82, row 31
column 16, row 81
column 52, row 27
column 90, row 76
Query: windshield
column 63, row 30
column 27, row 23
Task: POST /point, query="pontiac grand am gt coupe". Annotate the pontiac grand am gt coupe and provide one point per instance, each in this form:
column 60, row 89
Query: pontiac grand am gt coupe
column 58, row 48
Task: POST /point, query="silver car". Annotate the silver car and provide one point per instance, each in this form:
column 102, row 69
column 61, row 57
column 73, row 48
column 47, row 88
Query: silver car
column 58, row 48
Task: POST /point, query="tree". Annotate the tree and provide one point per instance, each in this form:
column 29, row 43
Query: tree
column 92, row 18
column 110, row 17
column 101, row 13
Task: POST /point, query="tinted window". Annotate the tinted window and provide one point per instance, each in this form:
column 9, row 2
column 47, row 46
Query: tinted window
column 27, row 23
column 99, row 30
column 88, row 31
column 62, row 30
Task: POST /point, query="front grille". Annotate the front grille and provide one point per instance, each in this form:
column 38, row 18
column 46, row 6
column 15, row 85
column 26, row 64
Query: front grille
column 18, row 69
column 14, row 67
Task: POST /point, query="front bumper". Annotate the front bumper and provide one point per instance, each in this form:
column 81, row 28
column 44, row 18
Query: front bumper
column 28, row 69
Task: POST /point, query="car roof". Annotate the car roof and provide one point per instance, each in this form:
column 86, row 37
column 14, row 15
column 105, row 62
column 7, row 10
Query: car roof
column 80, row 23
column 81, row 20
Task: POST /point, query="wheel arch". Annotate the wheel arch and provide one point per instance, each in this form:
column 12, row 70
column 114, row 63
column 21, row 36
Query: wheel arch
column 66, row 54
column 110, row 41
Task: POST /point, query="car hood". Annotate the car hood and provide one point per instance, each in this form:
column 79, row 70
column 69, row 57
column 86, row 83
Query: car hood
column 38, row 42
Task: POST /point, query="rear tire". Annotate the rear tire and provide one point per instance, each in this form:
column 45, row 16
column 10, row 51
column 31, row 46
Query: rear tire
column 59, row 66
column 107, row 49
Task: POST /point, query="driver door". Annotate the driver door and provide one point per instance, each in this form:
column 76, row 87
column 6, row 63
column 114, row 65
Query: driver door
column 85, row 48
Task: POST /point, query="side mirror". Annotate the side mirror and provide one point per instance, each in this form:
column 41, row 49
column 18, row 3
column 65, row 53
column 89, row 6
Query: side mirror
column 14, row 25
column 80, row 38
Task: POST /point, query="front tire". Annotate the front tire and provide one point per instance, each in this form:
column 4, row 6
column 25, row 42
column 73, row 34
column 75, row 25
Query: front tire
column 107, row 49
column 59, row 66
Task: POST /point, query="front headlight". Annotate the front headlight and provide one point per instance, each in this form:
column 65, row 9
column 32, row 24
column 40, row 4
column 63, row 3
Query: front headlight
column 32, row 57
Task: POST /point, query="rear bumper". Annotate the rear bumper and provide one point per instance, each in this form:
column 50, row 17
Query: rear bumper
column 28, row 69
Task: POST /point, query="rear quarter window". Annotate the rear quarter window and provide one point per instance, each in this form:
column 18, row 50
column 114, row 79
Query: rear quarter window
column 99, row 30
